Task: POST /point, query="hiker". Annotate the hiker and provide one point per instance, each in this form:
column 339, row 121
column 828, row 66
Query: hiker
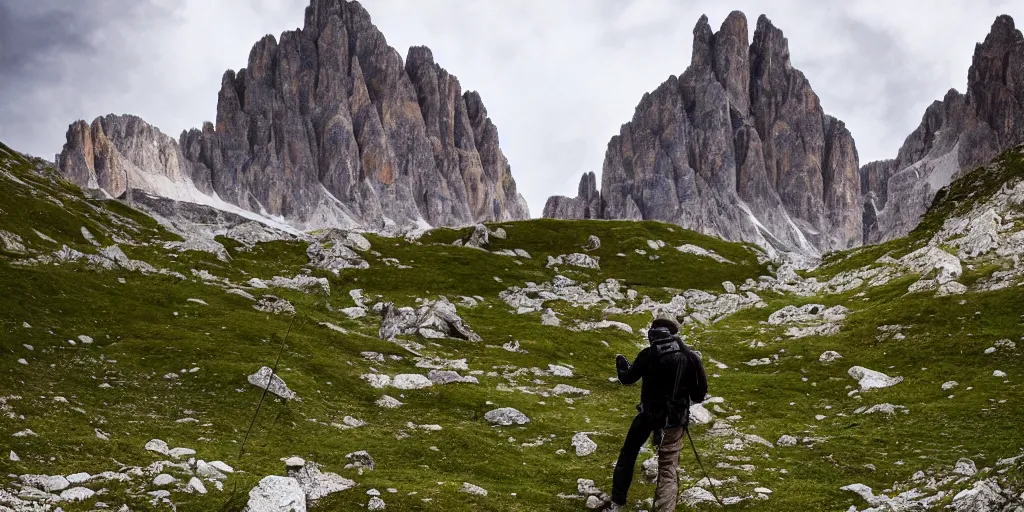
column 673, row 378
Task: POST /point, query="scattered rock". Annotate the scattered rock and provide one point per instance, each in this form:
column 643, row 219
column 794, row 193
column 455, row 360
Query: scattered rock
column 1006, row 345
column 479, row 238
column 377, row 380
column 78, row 478
column 449, row 377
column 316, row 484
column 700, row 251
column 583, row 444
column 695, row 496
column 388, row 402
column 699, row 415
column 830, row 356
column 335, row 258
column 946, row 386
column 887, row 409
column 195, row 485
column 965, row 467
column 274, row 305
column 867, row 494
column 301, row 282
column 376, row 503
column 163, row 480
column 12, row 243
column 506, row 416
column 46, row 483
column 354, row 312
column 473, row 489
column 433, row 320
column 565, row 389
column 550, row 318
column 999, row 373
column 870, row 379
column 985, row 495
column 411, row 381
column 89, row 237
column 208, row 471
column 593, row 243
column 360, row 459
column 559, row 371
column 277, row 494
column 77, row 494
column 158, row 446
column 265, row 377
column 787, row 440
column 604, row 324
column 513, row 346
column 575, row 259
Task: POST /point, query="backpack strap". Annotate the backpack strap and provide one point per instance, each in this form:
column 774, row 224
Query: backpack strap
column 685, row 420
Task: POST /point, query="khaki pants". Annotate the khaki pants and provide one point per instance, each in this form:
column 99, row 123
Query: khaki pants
column 667, row 491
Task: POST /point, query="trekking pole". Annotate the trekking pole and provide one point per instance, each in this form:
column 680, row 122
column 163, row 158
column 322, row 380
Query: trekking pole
column 710, row 483
column 273, row 371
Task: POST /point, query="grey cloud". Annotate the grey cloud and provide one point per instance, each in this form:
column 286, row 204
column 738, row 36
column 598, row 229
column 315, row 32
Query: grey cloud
column 52, row 52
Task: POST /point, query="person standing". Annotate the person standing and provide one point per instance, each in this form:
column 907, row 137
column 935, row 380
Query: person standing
column 673, row 378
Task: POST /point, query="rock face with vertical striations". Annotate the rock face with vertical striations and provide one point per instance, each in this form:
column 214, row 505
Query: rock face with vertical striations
column 586, row 204
column 739, row 147
column 326, row 126
column 958, row 133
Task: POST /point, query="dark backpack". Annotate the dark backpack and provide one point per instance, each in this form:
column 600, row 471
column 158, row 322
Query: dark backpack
column 677, row 404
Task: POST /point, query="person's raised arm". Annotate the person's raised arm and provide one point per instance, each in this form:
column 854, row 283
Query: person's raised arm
column 630, row 373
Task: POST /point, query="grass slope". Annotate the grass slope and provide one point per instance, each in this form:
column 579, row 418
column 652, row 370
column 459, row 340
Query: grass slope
column 146, row 327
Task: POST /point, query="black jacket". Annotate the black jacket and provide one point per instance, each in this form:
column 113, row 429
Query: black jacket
column 659, row 376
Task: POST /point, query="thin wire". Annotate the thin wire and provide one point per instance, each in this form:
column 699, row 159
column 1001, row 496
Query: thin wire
column 273, row 371
column 712, row 484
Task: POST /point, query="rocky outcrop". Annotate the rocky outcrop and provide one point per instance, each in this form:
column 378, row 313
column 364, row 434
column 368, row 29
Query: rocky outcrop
column 739, row 147
column 958, row 133
column 326, row 126
column 586, row 204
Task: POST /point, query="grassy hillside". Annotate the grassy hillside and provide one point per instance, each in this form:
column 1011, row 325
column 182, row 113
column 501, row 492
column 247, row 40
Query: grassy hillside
column 92, row 407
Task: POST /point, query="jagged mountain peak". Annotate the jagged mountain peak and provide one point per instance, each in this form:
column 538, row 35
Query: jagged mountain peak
column 739, row 146
column 959, row 132
column 327, row 126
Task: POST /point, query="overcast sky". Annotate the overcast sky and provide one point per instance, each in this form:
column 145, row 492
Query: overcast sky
column 558, row 77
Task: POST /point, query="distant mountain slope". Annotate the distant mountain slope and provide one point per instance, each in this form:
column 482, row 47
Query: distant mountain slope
column 960, row 132
column 739, row 147
column 325, row 127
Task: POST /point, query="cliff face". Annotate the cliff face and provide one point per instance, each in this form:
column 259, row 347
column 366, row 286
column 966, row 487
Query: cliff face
column 739, row 147
column 960, row 132
column 325, row 127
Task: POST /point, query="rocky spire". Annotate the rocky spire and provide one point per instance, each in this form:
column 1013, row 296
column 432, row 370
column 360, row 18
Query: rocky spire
column 737, row 146
column 962, row 131
column 586, row 205
column 732, row 61
column 327, row 126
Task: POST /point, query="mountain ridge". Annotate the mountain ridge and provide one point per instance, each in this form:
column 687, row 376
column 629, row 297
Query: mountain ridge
column 326, row 126
column 785, row 174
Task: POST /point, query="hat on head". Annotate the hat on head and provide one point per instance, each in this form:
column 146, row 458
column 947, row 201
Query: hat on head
column 666, row 323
